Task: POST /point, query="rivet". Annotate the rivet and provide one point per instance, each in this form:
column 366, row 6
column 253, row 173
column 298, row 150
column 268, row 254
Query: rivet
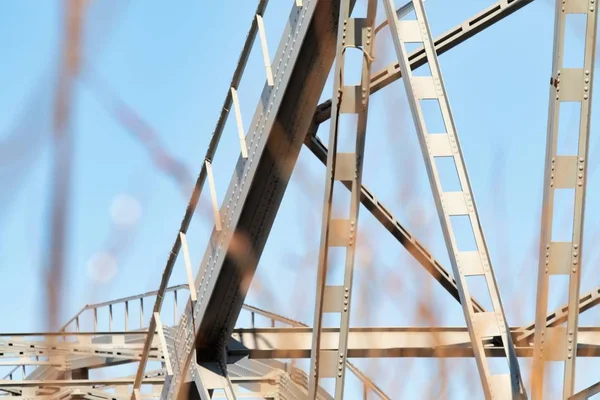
column 585, row 96
column 575, row 246
column 585, row 88
column 574, row 270
column 579, row 183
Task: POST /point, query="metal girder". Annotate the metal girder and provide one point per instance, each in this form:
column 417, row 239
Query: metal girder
column 565, row 171
column 448, row 40
column 559, row 316
column 399, row 231
column 204, row 172
column 255, row 249
column 335, row 297
column 379, row 80
column 454, row 202
column 367, row 382
column 587, row 392
column 4, row 384
column 277, row 131
column 417, row 342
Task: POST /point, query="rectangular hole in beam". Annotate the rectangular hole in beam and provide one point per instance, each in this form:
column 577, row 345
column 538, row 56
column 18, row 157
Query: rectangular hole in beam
column 562, row 216
column 423, row 70
column 328, row 384
column 411, row 47
column 498, row 365
column 341, row 201
column 448, row 174
column 478, row 288
column 432, row 115
column 553, row 379
column 574, row 45
column 463, row 233
column 332, row 320
column 353, row 61
column 569, row 118
column 336, row 259
column 346, row 133
column 410, row 16
column 360, row 9
column 558, row 291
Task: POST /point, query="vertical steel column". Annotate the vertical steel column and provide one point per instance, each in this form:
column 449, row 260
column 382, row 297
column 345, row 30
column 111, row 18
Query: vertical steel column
column 564, row 172
column 482, row 325
column 343, row 167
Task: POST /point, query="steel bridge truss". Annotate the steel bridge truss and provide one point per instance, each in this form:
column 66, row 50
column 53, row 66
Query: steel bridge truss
column 201, row 353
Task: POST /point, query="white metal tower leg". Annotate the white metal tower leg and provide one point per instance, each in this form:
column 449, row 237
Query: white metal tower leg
column 455, row 203
column 342, row 167
column 566, row 172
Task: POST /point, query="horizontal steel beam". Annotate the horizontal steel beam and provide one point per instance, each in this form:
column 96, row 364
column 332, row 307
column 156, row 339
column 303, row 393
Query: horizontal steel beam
column 5, row 384
column 13, row 384
column 384, row 343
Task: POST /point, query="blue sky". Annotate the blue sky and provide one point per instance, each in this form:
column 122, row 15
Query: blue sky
column 172, row 63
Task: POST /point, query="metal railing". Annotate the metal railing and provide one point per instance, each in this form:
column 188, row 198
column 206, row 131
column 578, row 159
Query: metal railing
column 113, row 306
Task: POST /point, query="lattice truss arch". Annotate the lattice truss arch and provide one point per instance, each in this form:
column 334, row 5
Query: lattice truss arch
column 201, row 346
column 482, row 325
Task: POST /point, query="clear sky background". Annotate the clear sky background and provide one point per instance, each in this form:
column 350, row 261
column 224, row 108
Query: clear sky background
column 172, row 63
